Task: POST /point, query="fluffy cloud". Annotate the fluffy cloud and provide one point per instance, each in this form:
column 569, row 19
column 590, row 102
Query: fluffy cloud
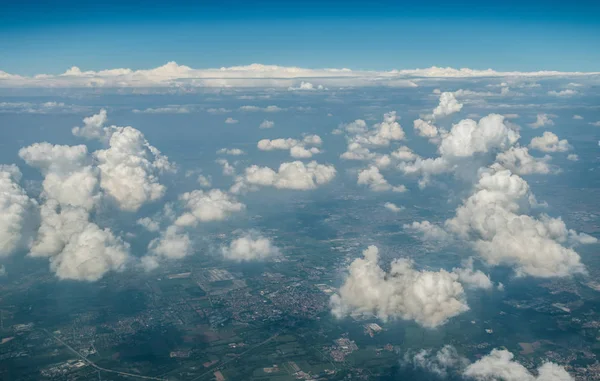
column 490, row 220
column 393, row 207
column 251, row 246
column 563, row 93
column 213, row 205
column 577, row 117
column 376, row 182
column 441, row 363
column 266, row 124
column 298, row 148
column 77, row 248
column 428, row 231
column 448, row 105
column 519, row 161
column 148, row 224
column 499, row 365
column 542, row 120
column 427, row 297
column 472, row 278
column 230, row 120
column 306, row 86
column 291, row 175
column 172, row 244
column 425, row 129
column 16, row 212
column 68, row 176
column 130, row 166
column 572, row 157
column 231, row 151
column 549, row 142
column 271, row 108
column 228, row 169
column 204, row 181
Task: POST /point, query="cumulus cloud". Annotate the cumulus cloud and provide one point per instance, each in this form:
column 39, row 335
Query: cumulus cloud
column 572, row 157
column 428, row 231
column 148, row 224
column 69, row 176
column 442, row 363
column 291, row 175
column 230, row 120
column 271, row 108
column 173, row 243
column 595, row 124
column 393, row 207
column 250, row 246
column 429, row 298
column 519, row 161
column 228, row 169
column 204, row 181
column 77, row 248
column 448, row 105
column 130, row 166
column 306, row 86
column 299, row 149
column 16, row 212
column 500, row 365
column 492, row 220
column 201, row 206
column 231, row 151
column 542, row 120
column 376, row 182
column 467, row 275
column 549, row 142
column 425, row 129
column 563, row 93
column 265, row 124
column 577, row 117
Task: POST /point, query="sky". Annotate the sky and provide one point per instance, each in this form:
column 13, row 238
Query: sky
column 49, row 37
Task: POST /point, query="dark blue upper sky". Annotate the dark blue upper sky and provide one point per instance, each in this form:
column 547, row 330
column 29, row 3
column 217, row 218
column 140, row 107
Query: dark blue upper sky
column 50, row 36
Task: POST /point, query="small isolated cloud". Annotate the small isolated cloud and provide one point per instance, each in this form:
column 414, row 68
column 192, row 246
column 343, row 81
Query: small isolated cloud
column 299, row 149
column 425, row 129
column 442, row 363
column 219, row 110
column 271, row 108
column 230, row 120
column 549, row 142
column 231, row 151
column 472, row 278
column 573, row 157
column 542, row 120
column 427, row 297
column 291, row 175
column 306, row 86
column 164, row 110
column 562, row 93
column 172, row 244
column 266, row 124
column 577, row 117
column 393, row 207
column 500, row 365
column 201, row 206
column 149, row 224
column 428, row 231
column 448, row 105
column 376, row 182
column 250, row 246
column 595, row 124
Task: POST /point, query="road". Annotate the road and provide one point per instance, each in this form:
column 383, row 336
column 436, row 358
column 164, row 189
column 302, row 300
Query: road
column 99, row 368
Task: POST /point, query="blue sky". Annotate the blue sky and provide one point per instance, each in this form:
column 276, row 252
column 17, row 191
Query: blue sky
column 47, row 37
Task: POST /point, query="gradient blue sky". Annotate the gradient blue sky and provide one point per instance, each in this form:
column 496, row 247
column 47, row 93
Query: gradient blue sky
column 48, row 37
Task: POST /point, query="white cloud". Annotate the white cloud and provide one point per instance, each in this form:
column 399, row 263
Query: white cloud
column 472, row 278
column 172, row 244
column 266, row 124
column 393, row 207
column 172, row 109
column 490, row 220
column 250, row 246
column 148, row 224
column 298, row 148
column 549, row 142
column 573, row 157
column 376, row 182
column 228, row 169
column 201, row 206
column 595, row 124
column 68, row 176
column 441, row 363
column 425, row 129
column 577, row 117
column 563, row 93
column 78, row 249
column 230, row 120
column 448, row 105
column 254, row 75
column 16, row 212
column 204, row 181
column 219, row 110
column 519, row 161
column 429, row 231
column 427, row 297
column 231, row 151
column 500, row 365
column 306, row 86
column 542, row 120
column 271, row 108
column 291, row 175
